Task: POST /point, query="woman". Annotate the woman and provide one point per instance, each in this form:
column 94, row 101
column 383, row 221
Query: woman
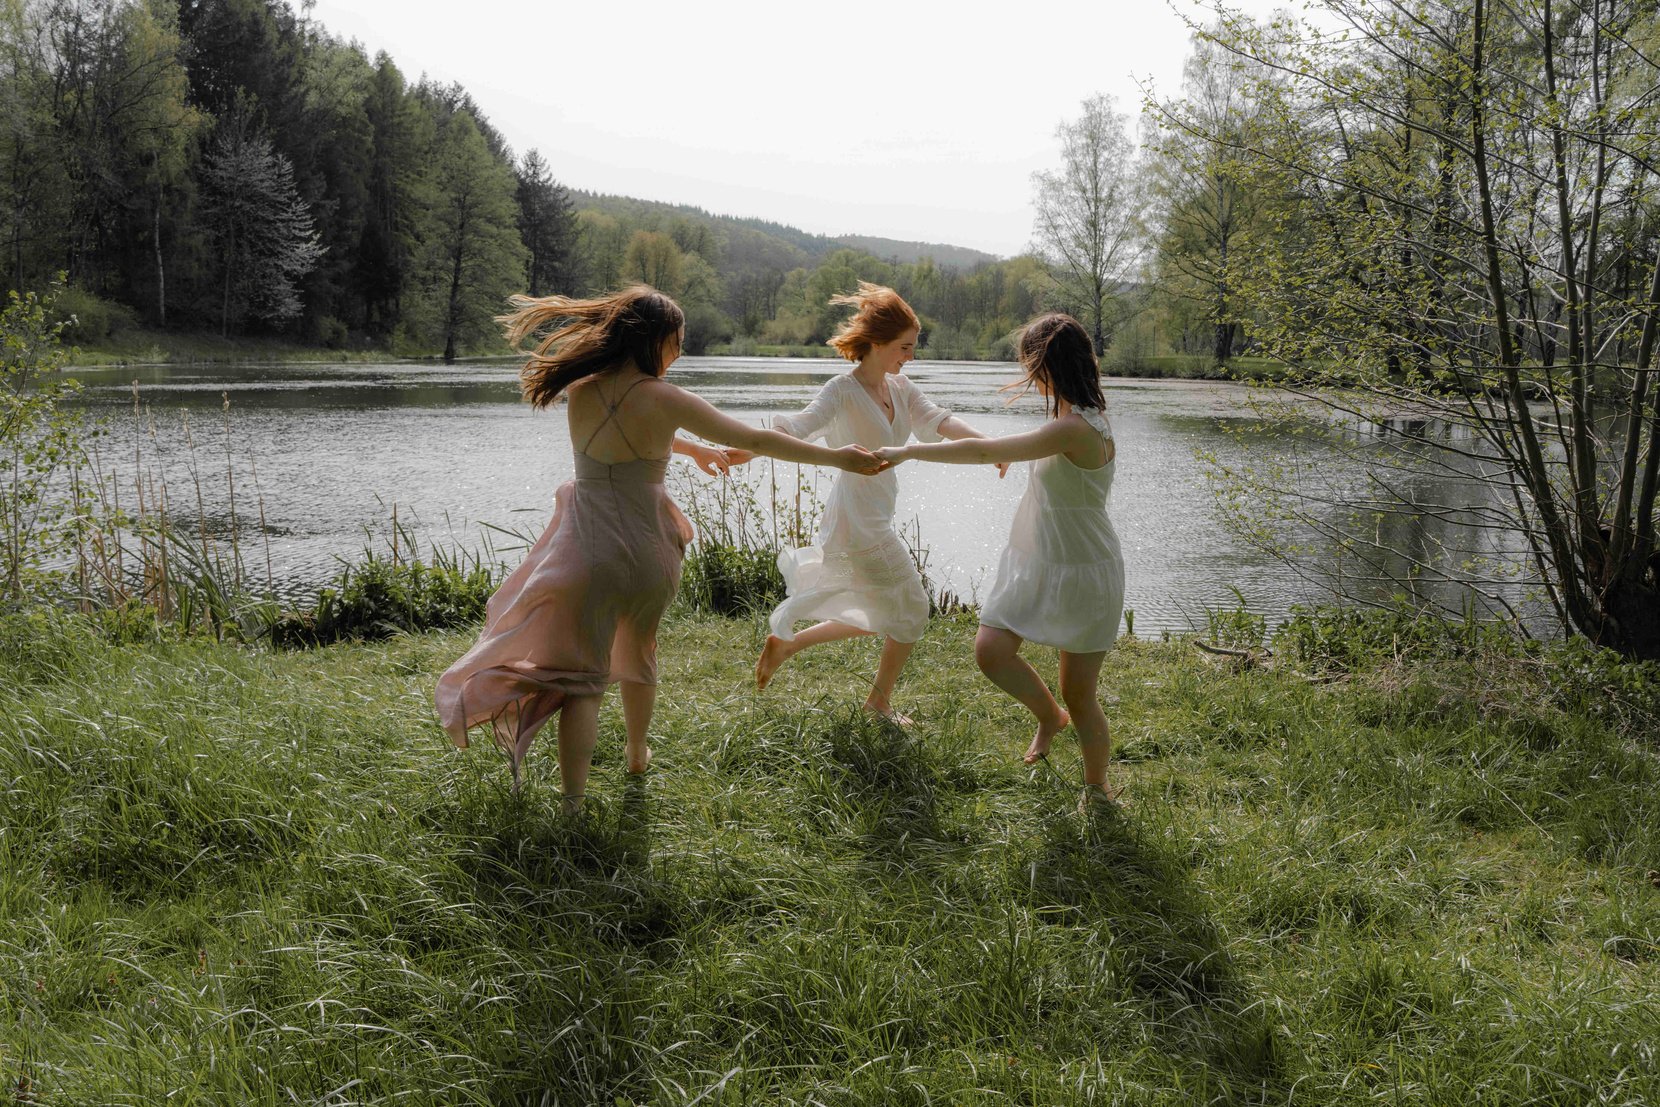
column 1060, row 582
column 858, row 577
column 582, row 610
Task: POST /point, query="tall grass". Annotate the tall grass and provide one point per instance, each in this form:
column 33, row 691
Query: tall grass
column 238, row 876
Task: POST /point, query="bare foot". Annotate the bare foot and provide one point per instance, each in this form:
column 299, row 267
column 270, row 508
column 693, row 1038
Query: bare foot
column 1039, row 749
column 773, row 654
column 638, row 763
column 886, row 711
column 571, row 803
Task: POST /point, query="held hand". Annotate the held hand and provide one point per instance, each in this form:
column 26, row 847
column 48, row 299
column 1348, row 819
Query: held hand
column 857, row 459
column 891, row 455
column 1003, row 468
column 716, row 460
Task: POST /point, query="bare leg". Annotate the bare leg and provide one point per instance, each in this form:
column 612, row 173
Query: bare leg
column 777, row 651
column 638, row 702
column 1080, row 676
column 578, row 730
column 879, row 702
column 997, row 652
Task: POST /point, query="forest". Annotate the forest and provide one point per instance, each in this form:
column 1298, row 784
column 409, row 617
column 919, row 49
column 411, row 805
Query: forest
column 230, row 167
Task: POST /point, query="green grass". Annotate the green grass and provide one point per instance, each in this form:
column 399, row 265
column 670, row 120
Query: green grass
column 231, row 876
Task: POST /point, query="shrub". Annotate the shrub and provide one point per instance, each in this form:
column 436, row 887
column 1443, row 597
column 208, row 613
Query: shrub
column 87, row 318
column 381, row 597
column 730, row 580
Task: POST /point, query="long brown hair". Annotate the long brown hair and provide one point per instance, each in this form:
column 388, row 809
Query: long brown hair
column 585, row 337
column 1056, row 350
column 883, row 316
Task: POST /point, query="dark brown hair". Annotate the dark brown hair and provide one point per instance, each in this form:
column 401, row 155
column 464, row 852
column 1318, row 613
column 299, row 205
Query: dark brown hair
column 883, row 316
column 584, row 337
column 1056, row 350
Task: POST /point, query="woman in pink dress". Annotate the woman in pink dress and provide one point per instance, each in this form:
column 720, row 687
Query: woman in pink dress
column 582, row 610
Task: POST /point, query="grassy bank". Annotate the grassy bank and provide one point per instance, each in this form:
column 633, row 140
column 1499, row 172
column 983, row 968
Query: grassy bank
column 139, row 346
column 234, row 876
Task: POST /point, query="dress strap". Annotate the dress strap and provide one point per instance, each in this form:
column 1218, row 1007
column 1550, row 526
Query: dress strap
column 611, row 410
column 1097, row 418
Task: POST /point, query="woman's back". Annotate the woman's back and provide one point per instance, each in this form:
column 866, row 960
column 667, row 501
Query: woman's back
column 619, row 416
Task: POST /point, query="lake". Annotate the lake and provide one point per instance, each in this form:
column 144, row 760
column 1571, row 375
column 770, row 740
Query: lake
column 328, row 450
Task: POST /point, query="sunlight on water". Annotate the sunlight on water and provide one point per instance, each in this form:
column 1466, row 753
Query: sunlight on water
column 335, row 447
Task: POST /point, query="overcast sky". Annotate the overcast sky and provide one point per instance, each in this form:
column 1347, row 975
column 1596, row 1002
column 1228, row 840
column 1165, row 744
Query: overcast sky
column 908, row 120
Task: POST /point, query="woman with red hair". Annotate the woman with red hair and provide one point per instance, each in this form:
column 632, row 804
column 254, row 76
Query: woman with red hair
column 858, row 577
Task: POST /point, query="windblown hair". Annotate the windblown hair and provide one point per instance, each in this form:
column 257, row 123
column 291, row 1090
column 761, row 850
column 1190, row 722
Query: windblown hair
column 1056, row 351
column 582, row 337
column 883, row 316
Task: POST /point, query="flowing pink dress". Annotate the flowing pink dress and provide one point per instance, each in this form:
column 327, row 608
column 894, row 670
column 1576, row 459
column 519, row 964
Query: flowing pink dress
column 582, row 610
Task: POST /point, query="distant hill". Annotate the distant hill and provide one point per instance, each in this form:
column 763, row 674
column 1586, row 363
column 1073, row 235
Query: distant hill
column 786, row 246
column 891, row 249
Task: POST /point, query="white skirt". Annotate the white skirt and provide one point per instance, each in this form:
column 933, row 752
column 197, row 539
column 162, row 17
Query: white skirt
column 876, row 589
column 1075, row 608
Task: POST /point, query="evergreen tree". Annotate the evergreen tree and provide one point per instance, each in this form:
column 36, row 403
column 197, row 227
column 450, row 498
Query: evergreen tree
column 547, row 224
column 400, row 130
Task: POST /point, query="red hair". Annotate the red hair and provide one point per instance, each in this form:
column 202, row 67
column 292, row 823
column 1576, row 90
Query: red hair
column 883, row 316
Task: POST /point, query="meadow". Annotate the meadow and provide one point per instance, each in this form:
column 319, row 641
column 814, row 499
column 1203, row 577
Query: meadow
column 1386, row 867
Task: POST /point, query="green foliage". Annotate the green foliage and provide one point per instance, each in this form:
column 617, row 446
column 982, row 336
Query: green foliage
column 730, row 580
column 472, row 257
column 1321, row 894
column 1344, row 638
column 41, row 445
column 380, row 597
column 87, row 318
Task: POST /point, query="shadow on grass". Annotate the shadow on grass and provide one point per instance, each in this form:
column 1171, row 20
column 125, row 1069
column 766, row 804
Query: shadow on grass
column 580, row 912
column 589, row 874
column 889, row 783
column 1100, row 868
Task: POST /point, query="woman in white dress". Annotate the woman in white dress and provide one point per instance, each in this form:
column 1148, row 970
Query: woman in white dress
column 1061, row 580
column 858, row 577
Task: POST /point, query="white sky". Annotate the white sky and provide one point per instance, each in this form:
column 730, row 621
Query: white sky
column 909, row 120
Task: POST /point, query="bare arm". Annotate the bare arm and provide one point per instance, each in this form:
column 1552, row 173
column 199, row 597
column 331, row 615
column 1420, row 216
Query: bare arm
column 1058, row 436
column 704, row 420
column 955, row 429
column 713, row 460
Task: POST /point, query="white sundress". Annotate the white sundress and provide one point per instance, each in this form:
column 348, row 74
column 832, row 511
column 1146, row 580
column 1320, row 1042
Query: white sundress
column 858, row 571
column 1061, row 581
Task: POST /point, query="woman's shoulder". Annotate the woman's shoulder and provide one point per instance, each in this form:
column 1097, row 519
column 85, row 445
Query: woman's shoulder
column 1095, row 418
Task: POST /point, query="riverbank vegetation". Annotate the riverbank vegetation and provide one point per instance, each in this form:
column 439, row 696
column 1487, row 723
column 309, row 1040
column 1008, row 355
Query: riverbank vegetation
column 1393, row 863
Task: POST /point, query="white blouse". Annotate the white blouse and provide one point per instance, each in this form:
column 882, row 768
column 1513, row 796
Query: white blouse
column 859, row 512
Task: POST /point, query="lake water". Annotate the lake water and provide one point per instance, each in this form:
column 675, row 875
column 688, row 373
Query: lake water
column 334, row 448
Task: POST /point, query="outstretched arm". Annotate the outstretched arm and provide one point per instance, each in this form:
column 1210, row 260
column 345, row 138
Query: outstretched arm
column 955, row 429
column 1057, row 436
column 714, row 460
column 706, row 421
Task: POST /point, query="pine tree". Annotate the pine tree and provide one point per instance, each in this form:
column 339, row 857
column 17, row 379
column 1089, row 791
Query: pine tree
column 547, row 224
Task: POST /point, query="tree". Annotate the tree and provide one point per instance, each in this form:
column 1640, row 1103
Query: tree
column 401, row 131
column 264, row 237
column 653, row 258
column 1088, row 223
column 547, row 224
column 1204, row 208
column 472, row 257
column 1450, row 277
